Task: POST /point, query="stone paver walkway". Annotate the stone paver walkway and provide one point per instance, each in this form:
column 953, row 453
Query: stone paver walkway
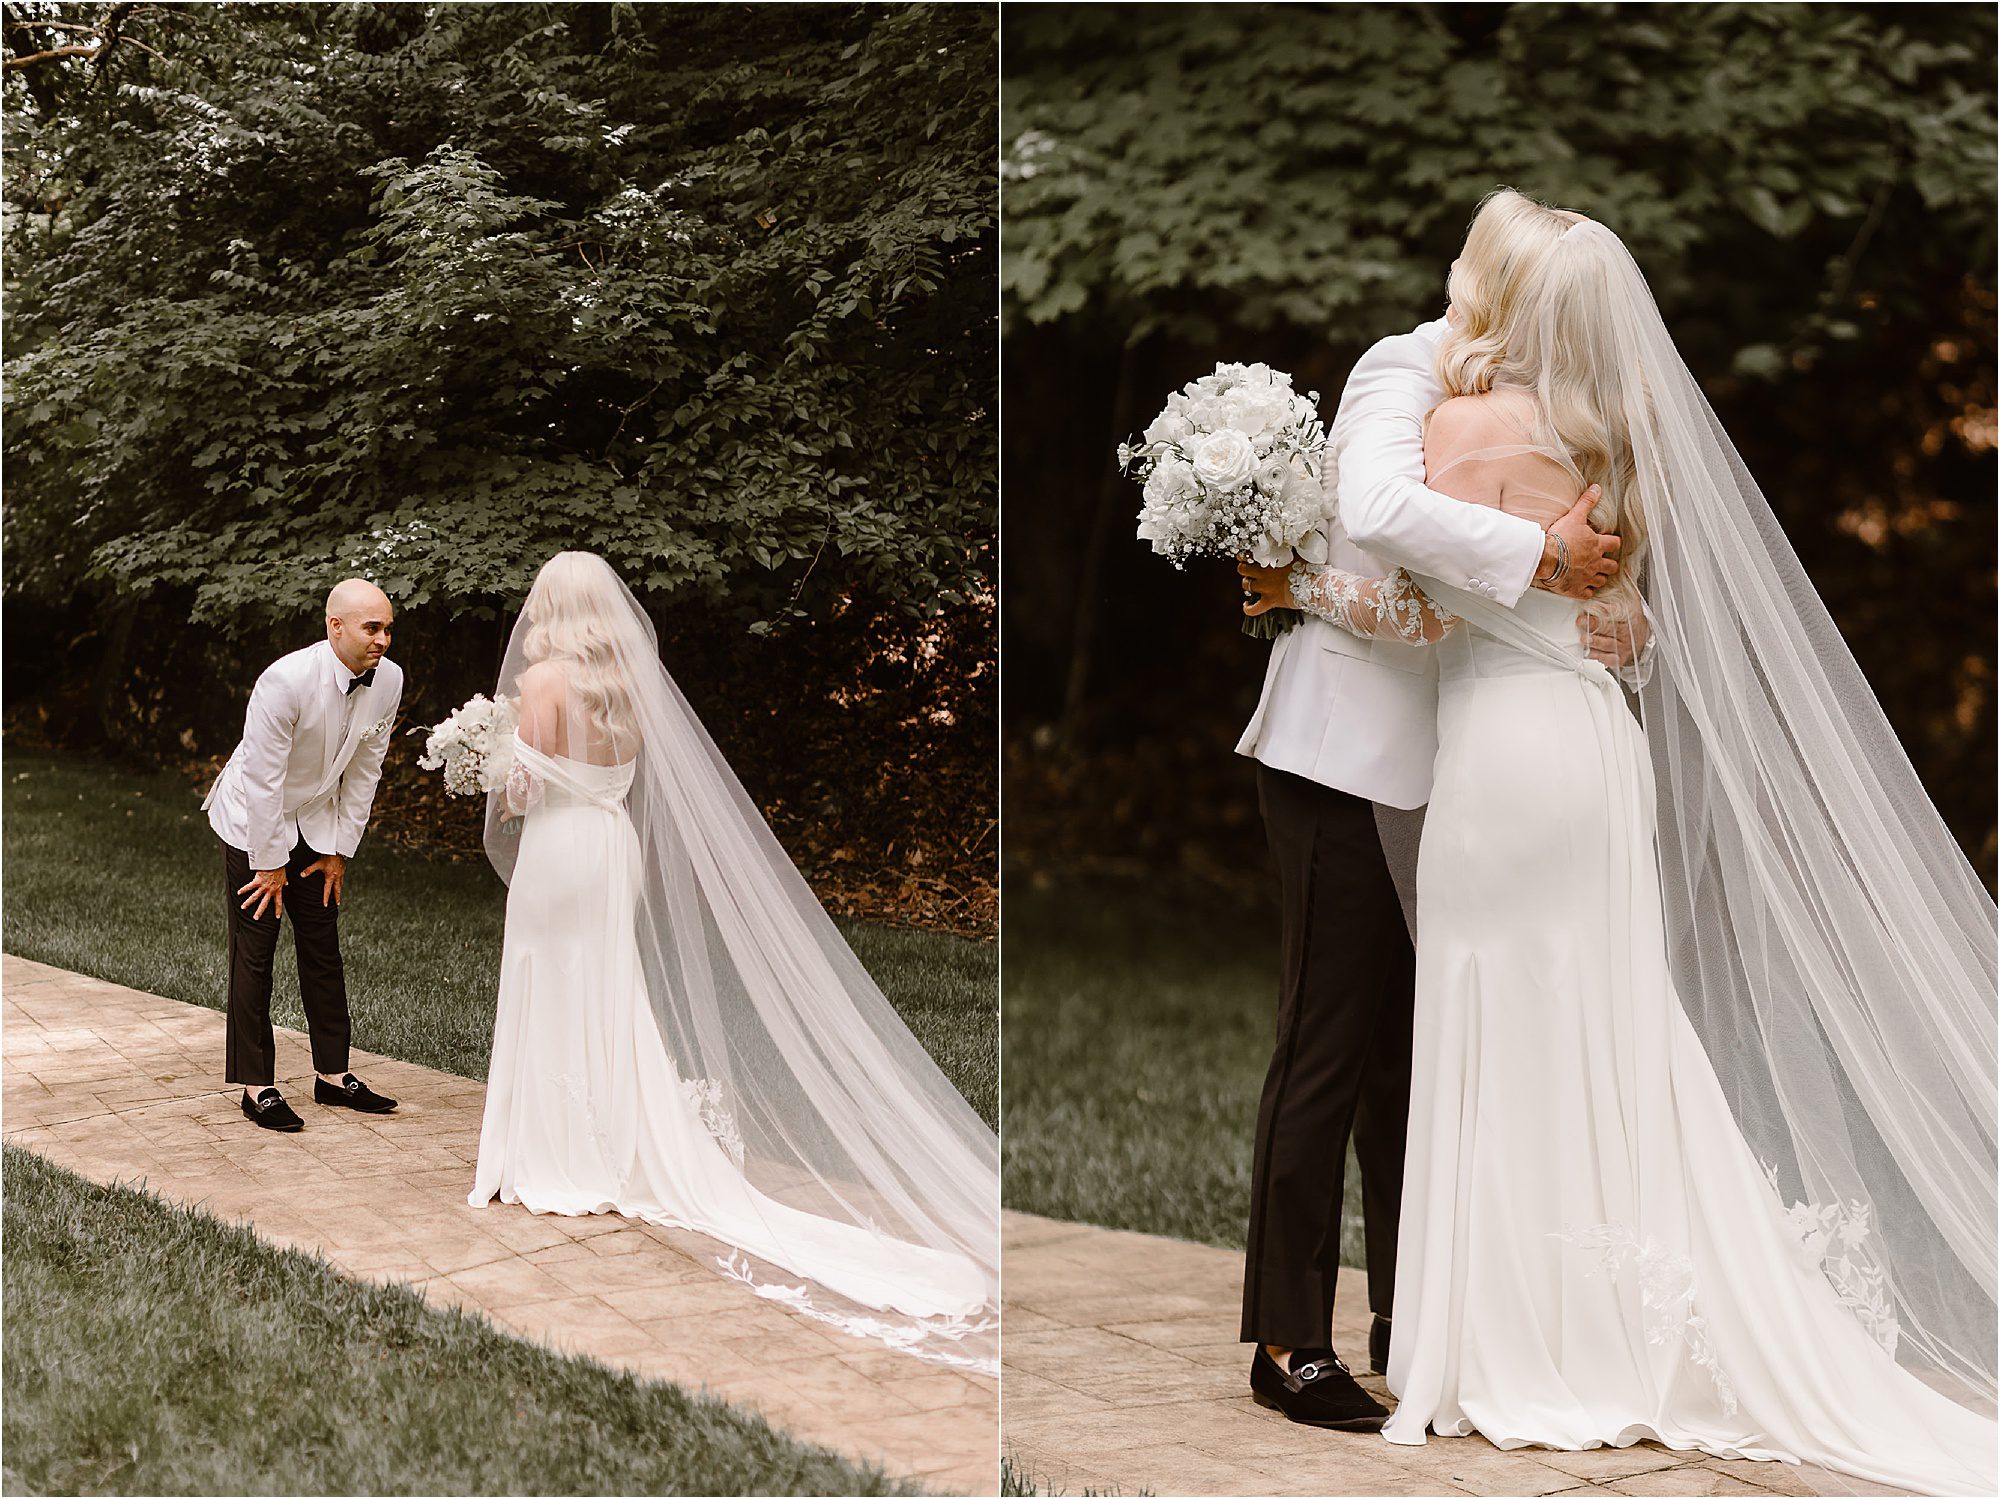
column 1122, row 1374
column 115, row 1084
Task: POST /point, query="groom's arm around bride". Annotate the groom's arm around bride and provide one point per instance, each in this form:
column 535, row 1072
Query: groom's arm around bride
column 1388, row 510
column 289, row 809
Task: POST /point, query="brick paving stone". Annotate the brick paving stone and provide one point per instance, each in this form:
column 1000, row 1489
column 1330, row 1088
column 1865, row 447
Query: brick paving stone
column 1689, row 1478
column 118, row 1085
column 1121, row 1375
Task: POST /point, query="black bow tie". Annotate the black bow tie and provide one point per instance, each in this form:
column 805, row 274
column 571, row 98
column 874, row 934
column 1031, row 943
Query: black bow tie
column 366, row 679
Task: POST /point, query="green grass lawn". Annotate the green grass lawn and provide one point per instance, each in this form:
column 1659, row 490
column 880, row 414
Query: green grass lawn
column 1138, row 1027
column 118, row 876
column 1018, row 1483
column 154, row 1349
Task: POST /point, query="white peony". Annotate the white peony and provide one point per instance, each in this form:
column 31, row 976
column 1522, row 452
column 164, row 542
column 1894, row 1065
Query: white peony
column 1224, row 460
column 1171, row 481
column 1171, row 425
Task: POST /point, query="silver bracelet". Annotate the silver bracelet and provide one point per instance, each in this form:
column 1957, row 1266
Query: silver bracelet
column 1562, row 558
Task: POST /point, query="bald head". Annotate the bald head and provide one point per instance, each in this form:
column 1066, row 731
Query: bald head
column 355, row 596
column 358, row 619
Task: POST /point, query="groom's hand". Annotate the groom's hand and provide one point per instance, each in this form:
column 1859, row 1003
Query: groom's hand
column 336, row 871
column 266, row 889
column 1591, row 563
column 1615, row 643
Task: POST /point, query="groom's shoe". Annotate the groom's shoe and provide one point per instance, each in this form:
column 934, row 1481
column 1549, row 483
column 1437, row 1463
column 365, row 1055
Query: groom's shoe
column 351, row 1094
column 1316, row 1391
column 1378, row 1345
column 268, row 1110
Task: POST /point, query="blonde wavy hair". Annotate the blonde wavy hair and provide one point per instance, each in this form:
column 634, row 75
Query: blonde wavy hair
column 1534, row 315
column 571, row 623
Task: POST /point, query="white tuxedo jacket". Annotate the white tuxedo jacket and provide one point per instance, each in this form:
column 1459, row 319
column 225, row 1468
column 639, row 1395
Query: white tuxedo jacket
column 309, row 759
column 1358, row 715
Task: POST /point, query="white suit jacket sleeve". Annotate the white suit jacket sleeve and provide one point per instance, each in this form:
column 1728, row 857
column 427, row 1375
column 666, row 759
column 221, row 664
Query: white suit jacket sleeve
column 1385, row 508
column 364, row 773
column 268, row 726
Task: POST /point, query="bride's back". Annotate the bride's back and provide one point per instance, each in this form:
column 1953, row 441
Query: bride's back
column 579, row 711
column 1484, row 449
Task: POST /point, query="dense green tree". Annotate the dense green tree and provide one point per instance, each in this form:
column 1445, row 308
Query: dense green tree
column 428, row 292
column 1190, row 169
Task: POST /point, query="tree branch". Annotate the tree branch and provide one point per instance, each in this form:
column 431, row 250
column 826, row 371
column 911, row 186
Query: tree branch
column 105, row 29
column 90, row 27
column 51, row 54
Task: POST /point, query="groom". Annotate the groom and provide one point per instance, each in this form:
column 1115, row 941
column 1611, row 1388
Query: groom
column 289, row 808
column 1344, row 727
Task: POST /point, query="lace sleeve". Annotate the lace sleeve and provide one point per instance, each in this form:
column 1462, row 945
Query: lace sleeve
column 1391, row 608
column 523, row 791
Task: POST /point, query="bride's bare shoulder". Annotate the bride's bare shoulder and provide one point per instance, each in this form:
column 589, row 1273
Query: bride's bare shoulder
column 1492, row 415
column 544, row 679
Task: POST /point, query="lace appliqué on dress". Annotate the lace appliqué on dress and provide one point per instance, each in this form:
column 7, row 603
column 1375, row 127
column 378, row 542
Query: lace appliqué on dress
column 1830, row 1237
column 1373, row 608
column 912, row 1335
column 1666, row 1294
column 578, row 1094
column 705, row 1093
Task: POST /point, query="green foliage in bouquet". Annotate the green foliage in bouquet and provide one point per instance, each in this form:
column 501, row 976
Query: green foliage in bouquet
column 427, row 293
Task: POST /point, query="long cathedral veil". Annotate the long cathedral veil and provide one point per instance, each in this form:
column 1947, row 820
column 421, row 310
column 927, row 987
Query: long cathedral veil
column 803, row 1071
column 1830, row 942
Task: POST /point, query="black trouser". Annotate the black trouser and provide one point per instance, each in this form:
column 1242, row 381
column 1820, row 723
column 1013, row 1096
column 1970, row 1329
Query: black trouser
column 251, row 1048
column 1341, row 1067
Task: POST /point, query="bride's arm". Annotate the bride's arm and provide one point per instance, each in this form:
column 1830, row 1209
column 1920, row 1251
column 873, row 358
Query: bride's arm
column 540, row 727
column 1374, row 608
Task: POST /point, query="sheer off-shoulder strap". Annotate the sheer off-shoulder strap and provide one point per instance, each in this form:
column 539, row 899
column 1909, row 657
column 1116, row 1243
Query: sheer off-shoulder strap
column 1492, row 429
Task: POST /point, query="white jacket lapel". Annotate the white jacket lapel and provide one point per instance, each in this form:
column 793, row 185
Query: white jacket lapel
column 343, row 714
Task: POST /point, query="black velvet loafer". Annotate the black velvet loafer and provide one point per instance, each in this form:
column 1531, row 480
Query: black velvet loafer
column 268, row 1110
column 1317, row 1390
column 1378, row 1345
column 351, row 1094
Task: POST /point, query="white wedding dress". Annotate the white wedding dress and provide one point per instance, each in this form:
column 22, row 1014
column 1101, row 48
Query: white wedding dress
column 584, row 1110
column 682, row 1035
column 1589, row 1251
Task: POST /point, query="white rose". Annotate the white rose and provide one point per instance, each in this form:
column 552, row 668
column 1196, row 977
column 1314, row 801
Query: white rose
column 1224, row 460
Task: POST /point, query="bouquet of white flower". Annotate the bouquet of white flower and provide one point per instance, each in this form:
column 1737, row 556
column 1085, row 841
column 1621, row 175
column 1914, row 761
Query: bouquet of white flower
column 475, row 745
column 1233, row 468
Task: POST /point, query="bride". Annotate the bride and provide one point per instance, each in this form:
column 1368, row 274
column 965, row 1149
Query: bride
column 681, row 1034
column 1702, row 1122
